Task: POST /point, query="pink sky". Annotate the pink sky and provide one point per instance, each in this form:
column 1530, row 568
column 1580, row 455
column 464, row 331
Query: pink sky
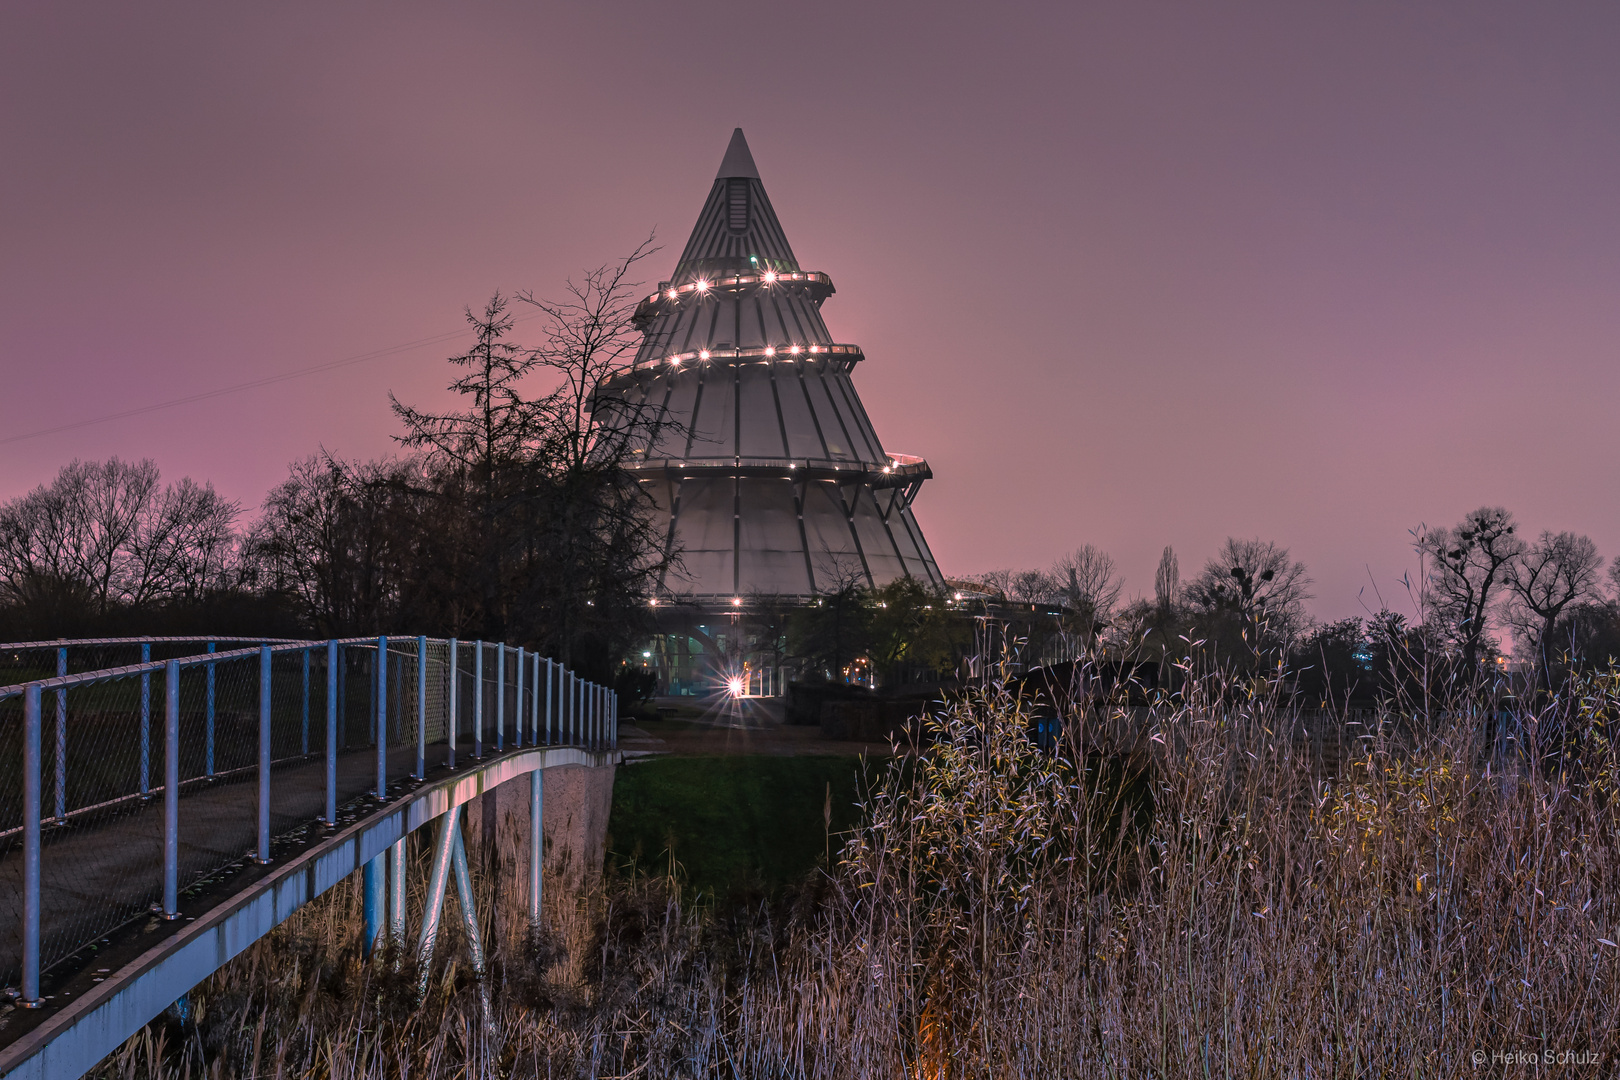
column 1131, row 275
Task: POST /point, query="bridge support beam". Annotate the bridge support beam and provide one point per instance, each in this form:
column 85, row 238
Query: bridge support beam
column 537, row 844
column 469, row 909
column 372, row 901
column 449, row 860
column 396, row 894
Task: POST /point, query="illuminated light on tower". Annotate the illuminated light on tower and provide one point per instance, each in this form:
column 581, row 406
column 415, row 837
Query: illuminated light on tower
column 767, row 474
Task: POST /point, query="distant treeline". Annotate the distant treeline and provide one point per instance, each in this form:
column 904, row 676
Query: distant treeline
column 1480, row 581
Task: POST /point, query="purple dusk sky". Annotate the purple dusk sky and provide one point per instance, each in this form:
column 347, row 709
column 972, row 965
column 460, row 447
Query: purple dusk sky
column 1128, row 274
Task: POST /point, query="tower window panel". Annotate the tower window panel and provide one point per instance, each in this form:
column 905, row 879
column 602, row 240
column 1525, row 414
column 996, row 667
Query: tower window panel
column 832, row 425
column 881, row 556
column 761, row 434
column 772, row 559
column 770, row 522
column 860, row 428
column 704, row 573
column 671, row 435
column 705, row 521
column 774, row 572
column 803, row 441
column 826, row 528
column 714, row 427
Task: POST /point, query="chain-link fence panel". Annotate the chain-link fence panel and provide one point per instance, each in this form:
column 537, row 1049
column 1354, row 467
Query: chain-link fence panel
column 28, row 661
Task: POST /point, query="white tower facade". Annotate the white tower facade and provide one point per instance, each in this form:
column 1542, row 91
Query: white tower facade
column 768, row 476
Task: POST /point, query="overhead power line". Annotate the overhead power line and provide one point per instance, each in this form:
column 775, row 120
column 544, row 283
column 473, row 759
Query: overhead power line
column 236, row 388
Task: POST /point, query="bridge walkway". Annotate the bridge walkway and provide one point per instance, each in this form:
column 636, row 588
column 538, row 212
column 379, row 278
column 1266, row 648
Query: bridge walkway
column 88, row 1011
column 91, row 867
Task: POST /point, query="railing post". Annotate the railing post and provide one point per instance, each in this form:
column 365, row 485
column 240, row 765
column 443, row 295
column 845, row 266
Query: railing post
column 146, row 721
column 537, row 838
column 171, row 790
column 208, row 719
column 332, row 664
column 478, row 699
column 517, row 697
column 31, row 847
column 304, row 743
column 264, row 754
column 343, row 698
column 61, row 741
column 455, row 694
column 550, row 693
column 421, row 712
column 500, row 696
column 382, row 718
column 534, row 702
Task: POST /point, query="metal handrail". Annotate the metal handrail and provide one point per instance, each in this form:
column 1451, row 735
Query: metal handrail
column 576, row 712
column 60, row 643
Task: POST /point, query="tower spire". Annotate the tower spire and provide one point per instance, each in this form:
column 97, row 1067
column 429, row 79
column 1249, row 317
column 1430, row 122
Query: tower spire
column 737, row 230
column 738, row 162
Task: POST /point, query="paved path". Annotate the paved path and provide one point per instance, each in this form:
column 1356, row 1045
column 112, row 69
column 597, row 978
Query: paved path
column 761, row 735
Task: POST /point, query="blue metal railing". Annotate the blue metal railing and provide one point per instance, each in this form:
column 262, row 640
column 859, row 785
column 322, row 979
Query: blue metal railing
column 243, row 714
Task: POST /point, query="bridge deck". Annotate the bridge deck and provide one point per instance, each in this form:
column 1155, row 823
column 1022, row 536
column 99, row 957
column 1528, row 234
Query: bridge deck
column 149, row 970
column 99, row 871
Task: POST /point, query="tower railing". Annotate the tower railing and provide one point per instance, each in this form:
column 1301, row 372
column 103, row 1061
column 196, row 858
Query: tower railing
column 123, row 787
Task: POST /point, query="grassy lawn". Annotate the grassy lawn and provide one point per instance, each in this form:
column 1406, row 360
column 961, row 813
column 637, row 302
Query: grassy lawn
column 731, row 823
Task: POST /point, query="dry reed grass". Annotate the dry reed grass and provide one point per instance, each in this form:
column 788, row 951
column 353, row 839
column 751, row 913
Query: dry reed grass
column 1209, row 902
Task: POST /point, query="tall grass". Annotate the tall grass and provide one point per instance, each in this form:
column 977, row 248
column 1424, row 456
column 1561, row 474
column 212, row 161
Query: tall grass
column 1191, row 893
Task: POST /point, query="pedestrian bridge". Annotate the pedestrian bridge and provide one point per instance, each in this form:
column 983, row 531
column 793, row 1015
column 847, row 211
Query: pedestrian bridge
column 159, row 816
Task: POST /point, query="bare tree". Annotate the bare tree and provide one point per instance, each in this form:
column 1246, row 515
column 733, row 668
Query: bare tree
column 1468, row 566
column 1259, row 582
column 596, row 554
column 998, row 582
column 1167, row 580
column 183, row 547
column 111, row 534
column 1552, row 574
column 361, row 547
column 1086, row 581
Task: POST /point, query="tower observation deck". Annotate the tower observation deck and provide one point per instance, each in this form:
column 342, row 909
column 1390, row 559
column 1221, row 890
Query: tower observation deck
column 764, row 466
